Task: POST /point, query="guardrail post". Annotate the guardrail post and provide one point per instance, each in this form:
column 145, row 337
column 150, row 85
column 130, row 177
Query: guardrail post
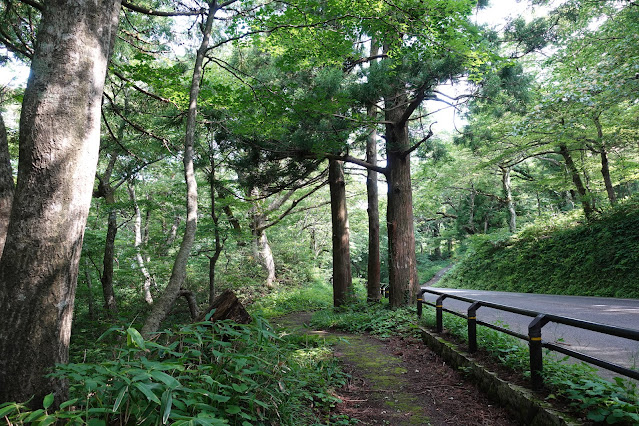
column 439, row 312
column 472, row 327
column 420, row 302
column 535, row 348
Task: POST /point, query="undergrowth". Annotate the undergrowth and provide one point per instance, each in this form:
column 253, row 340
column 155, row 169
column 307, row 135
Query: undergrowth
column 318, row 295
column 208, row 373
column 578, row 385
column 377, row 319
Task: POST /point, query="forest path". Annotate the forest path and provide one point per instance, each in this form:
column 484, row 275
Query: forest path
column 400, row 382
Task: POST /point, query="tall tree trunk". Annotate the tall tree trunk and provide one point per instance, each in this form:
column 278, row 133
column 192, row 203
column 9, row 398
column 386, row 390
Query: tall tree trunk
column 216, row 229
column 237, row 228
column 605, row 168
column 471, row 209
column 438, row 244
column 508, row 193
column 402, row 263
column 584, row 194
column 137, row 243
column 107, row 263
column 162, row 305
column 342, row 279
column 6, row 184
column 264, row 255
column 59, row 142
column 374, row 266
column 261, row 248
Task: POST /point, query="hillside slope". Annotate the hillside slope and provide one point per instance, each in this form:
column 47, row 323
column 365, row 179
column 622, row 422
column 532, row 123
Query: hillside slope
column 596, row 259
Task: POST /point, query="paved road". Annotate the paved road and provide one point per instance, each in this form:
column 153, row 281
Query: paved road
column 616, row 312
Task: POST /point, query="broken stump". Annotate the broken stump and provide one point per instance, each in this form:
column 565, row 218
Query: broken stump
column 227, row 306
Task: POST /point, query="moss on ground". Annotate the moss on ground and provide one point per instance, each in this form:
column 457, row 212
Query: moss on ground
column 385, row 375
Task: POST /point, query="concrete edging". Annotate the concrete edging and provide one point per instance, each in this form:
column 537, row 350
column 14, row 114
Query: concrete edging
column 522, row 403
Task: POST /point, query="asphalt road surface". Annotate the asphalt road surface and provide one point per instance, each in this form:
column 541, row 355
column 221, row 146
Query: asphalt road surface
column 610, row 311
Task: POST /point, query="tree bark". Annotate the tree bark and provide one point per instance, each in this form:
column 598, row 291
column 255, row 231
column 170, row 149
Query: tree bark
column 605, row 167
column 438, row 245
column 110, row 304
column 374, row 266
column 191, row 301
column 216, row 230
column 137, row 243
column 163, row 304
column 402, row 262
column 584, row 194
column 6, row 184
column 59, row 142
column 264, row 255
column 342, row 279
column 508, row 193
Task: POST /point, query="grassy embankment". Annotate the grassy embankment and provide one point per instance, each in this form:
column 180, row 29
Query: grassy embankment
column 563, row 255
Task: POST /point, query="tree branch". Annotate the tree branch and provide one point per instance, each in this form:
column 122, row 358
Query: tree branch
column 152, row 12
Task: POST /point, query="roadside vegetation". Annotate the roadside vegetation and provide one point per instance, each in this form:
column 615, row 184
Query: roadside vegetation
column 560, row 254
column 574, row 386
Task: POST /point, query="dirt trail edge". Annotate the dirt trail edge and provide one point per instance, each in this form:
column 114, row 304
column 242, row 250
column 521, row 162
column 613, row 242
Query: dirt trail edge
column 402, row 382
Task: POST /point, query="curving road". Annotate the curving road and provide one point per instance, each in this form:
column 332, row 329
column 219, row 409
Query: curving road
column 616, row 312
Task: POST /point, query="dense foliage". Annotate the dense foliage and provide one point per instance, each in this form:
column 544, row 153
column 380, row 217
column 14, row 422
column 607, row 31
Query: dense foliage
column 204, row 373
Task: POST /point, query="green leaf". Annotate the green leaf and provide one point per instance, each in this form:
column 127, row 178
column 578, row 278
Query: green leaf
column 9, row 408
column 48, row 400
column 134, row 338
column 165, row 407
column 233, row 409
column 220, row 398
column 48, row 420
column 34, row 415
column 65, row 404
column 118, row 400
column 240, row 388
column 161, row 376
column 146, row 390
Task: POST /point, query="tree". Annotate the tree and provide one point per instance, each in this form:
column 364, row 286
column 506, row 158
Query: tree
column 178, row 274
column 342, row 278
column 59, row 142
column 6, row 184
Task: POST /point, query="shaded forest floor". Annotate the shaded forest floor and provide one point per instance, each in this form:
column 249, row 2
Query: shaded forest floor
column 401, row 382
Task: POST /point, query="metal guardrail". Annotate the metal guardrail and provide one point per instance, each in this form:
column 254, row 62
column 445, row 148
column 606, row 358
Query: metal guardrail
column 535, row 343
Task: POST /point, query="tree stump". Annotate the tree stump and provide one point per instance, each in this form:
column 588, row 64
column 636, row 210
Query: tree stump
column 227, row 306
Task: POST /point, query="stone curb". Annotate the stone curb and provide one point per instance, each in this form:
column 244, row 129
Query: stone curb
column 522, row 403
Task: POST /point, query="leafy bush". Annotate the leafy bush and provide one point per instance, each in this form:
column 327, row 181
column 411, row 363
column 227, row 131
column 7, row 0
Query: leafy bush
column 206, row 373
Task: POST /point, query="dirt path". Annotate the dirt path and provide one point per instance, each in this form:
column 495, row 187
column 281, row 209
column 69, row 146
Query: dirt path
column 401, row 382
